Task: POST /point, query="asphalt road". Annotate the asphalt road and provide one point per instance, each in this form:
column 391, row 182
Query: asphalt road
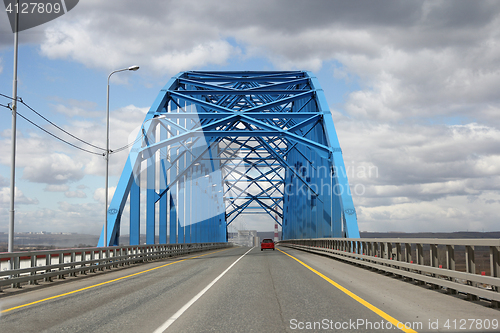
column 240, row 290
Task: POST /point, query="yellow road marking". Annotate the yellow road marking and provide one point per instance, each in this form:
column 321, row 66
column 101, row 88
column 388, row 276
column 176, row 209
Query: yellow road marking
column 104, row 283
column 381, row 313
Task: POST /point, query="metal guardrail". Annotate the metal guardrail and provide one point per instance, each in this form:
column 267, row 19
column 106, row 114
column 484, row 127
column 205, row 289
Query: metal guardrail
column 32, row 266
column 404, row 257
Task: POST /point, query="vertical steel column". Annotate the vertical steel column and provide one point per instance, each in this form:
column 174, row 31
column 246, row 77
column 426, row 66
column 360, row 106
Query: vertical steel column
column 195, row 214
column 163, row 206
column 203, row 203
column 151, row 193
column 181, row 204
column 188, row 201
column 173, row 199
column 135, row 211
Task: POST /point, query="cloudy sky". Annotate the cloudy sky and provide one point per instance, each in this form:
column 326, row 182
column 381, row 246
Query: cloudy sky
column 413, row 87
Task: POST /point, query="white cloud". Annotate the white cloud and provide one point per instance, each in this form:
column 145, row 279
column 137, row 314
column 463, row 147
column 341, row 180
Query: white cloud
column 85, row 219
column 75, row 194
column 446, row 214
column 74, row 110
column 20, row 198
column 427, row 83
column 3, row 181
column 426, row 177
column 55, row 169
column 99, row 194
column 56, row 188
column 77, row 40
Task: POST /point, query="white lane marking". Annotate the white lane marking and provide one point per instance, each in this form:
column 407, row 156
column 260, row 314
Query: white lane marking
column 179, row 313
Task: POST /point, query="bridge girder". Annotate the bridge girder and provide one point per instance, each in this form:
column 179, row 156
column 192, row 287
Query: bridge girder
column 215, row 145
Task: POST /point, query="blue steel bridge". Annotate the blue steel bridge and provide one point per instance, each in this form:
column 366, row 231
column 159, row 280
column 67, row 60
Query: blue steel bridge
column 214, row 146
column 217, row 145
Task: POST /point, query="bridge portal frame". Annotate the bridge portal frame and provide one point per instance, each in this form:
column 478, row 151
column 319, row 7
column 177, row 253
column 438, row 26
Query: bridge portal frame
column 215, row 145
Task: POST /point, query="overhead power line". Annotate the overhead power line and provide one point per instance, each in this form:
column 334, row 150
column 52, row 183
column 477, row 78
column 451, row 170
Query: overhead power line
column 55, row 136
column 20, row 100
column 59, row 128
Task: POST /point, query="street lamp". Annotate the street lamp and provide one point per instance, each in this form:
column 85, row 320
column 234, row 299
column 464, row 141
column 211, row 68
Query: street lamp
column 13, row 141
column 105, row 239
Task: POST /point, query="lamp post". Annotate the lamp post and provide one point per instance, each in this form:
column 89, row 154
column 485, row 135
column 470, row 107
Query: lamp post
column 13, row 140
column 105, row 238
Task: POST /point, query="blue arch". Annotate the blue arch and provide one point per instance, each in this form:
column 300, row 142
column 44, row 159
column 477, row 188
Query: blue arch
column 216, row 145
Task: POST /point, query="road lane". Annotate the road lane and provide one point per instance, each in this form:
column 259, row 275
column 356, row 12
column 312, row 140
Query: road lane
column 268, row 291
column 406, row 301
column 264, row 291
column 186, row 306
column 136, row 304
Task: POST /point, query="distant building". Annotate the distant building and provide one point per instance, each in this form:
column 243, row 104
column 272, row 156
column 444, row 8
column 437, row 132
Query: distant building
column 245, row 238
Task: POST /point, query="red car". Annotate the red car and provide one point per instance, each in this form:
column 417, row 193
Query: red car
column 267, row 243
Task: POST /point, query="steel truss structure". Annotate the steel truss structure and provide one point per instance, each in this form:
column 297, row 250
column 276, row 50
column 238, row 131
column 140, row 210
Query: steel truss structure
column 216, row 145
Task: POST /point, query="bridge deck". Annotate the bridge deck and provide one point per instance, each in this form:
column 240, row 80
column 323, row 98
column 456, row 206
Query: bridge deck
column 263, row 291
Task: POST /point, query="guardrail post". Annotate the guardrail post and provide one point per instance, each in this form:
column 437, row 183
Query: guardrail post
column 101, row 260
column 375, row 249
column 420, row 254
column 92, row 258
column 407, row 259
column 420, row 259
column 433, row 257
column 387, row 252
column 48, row 262
column 15, row 265
column 126, row 253
column 108, row 256
column 470, row 267
column 470, row 262
column 450, row 257
column 115, row 262
column 83, row 258
column 72, row 260
column 33, row 273
column 408, row 252
column 399, row 255
column 494, row 263
column 450, row 264
column 495, row 269
column 61, row 269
